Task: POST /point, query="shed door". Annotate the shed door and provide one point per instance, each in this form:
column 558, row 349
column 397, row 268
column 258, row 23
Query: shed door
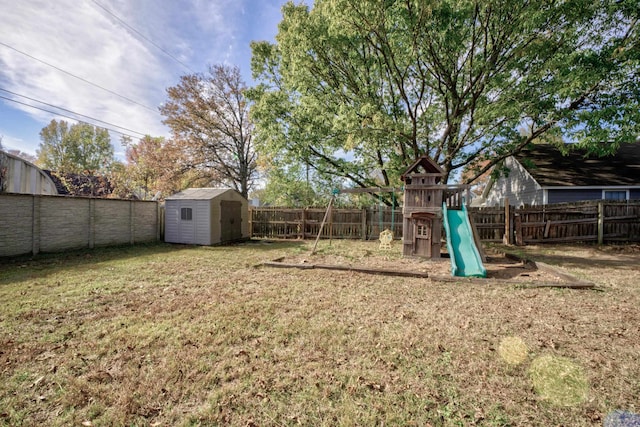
column 230, row 220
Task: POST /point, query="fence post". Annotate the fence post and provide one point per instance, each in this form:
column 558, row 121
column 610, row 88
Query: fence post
column 304, row 223
column 507, row 227
column 518, row 224
column 600, row 222
column 160, row 222
column 132, row 222
column 35, row 225
column 92, row 222
column 364, row 224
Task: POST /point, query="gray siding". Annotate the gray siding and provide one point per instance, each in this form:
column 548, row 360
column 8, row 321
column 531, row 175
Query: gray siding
column 519, row 186
column 201, row 217
column 185, row 231
column 569, row 195
column 171, row 223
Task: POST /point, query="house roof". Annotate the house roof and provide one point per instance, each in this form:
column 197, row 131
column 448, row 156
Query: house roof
column 75, row 184
column 423, row 164
column 198, row 194
column 550, row 168
column 60, row 187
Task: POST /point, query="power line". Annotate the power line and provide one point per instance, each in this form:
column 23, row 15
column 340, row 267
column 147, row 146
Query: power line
column 78, row 77
column 69, row 111
column 142, row 35
column 72, row 118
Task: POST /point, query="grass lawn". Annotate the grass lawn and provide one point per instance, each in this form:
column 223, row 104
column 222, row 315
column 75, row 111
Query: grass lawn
column 166, row 335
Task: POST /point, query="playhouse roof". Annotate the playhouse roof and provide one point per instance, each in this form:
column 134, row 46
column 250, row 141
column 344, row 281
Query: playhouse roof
column 423, row 165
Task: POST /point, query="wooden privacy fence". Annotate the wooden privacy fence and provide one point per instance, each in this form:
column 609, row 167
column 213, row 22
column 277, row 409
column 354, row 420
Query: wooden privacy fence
column 599, row 221
column 287, row 223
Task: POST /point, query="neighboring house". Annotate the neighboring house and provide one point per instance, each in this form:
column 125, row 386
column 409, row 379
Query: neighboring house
column 23, row 177
column 543, row 175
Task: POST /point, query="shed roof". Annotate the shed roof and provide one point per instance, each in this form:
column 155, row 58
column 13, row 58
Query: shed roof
column 199, row 194
column 550, row 168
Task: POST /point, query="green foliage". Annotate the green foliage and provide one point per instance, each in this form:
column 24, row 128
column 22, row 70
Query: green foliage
column 154, row 166
column 79, row 148
column 360, row 89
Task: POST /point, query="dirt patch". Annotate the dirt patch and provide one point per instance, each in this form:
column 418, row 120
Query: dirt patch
column 367, row 255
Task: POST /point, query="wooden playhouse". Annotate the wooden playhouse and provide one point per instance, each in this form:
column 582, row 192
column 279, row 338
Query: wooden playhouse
column 422, row 209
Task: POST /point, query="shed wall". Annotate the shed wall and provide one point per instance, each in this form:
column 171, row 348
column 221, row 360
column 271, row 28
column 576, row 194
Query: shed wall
column 202, row 221
column 216, row 215
column 196, row 231
column 171, row 217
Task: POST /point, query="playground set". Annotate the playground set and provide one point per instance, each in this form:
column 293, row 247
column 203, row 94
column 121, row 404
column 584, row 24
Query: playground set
column 428, row 206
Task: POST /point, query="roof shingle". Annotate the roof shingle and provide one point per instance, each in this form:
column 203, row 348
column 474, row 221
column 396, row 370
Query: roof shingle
column 551, row 168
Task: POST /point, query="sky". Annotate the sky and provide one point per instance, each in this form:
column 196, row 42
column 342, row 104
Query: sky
column 112, row 60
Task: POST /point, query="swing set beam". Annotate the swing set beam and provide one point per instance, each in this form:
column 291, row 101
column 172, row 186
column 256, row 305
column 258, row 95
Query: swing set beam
column 372, row 190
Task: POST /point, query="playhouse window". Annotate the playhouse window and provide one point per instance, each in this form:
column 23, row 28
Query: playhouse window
column 423, row 230
column 186, row 214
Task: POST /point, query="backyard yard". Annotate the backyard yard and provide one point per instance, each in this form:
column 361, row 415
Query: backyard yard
column 165, row 335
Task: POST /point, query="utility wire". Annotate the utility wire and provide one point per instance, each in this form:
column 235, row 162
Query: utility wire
column 70, row 111
column 79, row 78
column 73, row 118
column 142, row 35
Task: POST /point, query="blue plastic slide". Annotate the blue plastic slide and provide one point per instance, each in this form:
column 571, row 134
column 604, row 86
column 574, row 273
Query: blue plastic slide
column 463, row 252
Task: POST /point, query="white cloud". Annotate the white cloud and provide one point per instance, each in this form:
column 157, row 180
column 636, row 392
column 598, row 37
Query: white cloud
column 11, row 143
column 85, row 40
column 79, row 38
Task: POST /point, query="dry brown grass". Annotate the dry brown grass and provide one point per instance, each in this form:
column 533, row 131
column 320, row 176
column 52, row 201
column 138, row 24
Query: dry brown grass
column 174, row 335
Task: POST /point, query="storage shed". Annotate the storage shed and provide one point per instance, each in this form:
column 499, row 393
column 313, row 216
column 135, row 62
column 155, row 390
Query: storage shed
column 206, row 216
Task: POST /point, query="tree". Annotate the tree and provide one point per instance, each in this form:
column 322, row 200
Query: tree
column 359, row 89
column 154, row 165
column 79, row 148
column 209, row 117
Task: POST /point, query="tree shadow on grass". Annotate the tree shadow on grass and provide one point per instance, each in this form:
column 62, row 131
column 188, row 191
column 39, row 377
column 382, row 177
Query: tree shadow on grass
column 25, row 267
